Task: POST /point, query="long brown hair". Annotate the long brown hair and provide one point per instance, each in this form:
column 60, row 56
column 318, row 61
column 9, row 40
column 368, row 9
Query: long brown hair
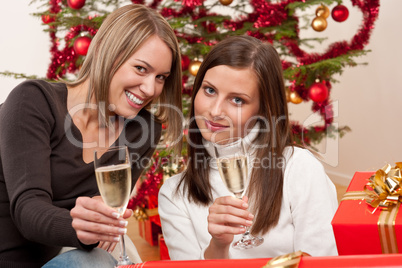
column 266, row 183
column 120, row 35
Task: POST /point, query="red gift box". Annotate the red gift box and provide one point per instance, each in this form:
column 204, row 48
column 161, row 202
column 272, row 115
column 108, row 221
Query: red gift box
column 163, row 250
column 361, row 229
column 150, row 229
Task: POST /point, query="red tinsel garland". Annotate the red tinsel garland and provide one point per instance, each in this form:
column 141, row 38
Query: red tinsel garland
column 149, row 187
column 63, row 61
column 267, row 14
column 53, row 9
column 369, row 9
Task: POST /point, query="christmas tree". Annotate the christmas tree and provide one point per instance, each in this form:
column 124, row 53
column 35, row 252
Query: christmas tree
column 199, row 24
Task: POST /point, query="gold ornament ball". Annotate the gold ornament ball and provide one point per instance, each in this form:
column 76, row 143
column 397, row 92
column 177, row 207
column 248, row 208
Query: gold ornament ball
column 225, row 2
column 194, row 66
column 319, row 24
column 295, row 98
column 322, row 11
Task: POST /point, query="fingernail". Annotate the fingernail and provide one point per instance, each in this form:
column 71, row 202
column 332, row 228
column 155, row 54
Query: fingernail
column 249, row 223
column 245, row 205
column 250, row 216
column 116, row 215
column 123, row 223
column 122, row 230
column 116, row 238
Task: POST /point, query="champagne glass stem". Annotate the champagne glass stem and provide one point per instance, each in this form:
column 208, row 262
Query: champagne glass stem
column 247, row 240
column 124, row 260
column 246, row 234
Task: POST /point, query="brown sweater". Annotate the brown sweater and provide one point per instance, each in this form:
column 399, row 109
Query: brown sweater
column 42, row 171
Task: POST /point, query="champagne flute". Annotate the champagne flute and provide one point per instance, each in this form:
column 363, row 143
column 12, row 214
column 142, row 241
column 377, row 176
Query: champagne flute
column 232, row 161
column 113, row 176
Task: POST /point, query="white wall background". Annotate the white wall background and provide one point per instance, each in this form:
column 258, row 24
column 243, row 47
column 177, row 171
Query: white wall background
column 368, row 99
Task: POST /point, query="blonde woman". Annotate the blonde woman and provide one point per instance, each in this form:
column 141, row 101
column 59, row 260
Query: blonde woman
column 49, row 132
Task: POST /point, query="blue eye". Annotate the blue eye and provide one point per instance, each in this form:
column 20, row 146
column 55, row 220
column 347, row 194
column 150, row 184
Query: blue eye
column 238, row 101
column 209, row 90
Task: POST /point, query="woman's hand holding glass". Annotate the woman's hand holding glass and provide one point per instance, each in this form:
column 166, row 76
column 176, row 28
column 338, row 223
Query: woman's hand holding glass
column 95, row 222
column 228, row 216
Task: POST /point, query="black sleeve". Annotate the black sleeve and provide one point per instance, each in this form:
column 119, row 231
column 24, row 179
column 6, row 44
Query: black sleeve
column 26, row 123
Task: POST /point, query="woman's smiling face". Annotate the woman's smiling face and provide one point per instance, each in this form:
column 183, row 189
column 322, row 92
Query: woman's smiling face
column 141, row 78
column 227, row 103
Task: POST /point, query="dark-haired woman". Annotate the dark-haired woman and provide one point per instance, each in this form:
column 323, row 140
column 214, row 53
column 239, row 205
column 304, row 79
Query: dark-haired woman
column 289, row 201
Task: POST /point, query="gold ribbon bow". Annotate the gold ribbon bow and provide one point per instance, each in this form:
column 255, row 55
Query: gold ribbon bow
column 143, row 214
column 290, row 260
column 384, row 188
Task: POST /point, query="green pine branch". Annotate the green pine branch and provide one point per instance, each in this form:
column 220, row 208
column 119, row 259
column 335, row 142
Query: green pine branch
column 309, row 3
column 307, row 74
column 18, row 75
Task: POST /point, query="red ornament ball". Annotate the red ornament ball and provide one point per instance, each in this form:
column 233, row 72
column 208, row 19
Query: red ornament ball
column 47, row 19
column 318, row 92
column 75, row 4
column 340, row 13
column 81, row 45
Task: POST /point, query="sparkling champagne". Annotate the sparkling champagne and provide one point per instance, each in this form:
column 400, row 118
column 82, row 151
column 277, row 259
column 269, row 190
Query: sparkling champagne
column 234, row 173
column 114, row 183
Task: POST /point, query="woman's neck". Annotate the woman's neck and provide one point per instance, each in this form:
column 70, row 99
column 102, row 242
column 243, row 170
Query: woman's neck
column 78, row 106
column 86, row 118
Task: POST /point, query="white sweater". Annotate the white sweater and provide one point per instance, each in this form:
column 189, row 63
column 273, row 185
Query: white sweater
column 308, row 205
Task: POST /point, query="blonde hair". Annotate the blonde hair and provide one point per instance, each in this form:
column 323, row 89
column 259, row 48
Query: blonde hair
column 120, row 35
